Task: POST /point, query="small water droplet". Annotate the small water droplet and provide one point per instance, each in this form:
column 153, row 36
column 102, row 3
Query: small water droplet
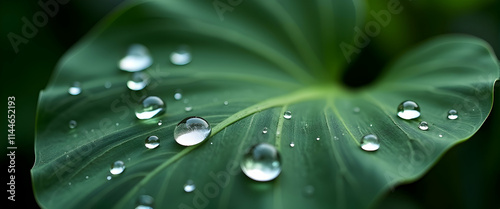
column 108, row 84
column 188, row 108
column 317, row 138
column 144, row 202
column 72, row 124
column 424, row 126
column 189, row 186
column 178, row 94
column 211, row 143
column 181, row 56
column 264, row 131
column 335, row 138
column 261, row 162
column 292, row 144
column 138, row 81
column 356, row 110
column 108, row 178
column 308, row 190
column 440, row 136
column 152, row 142
column 371, row 125
column 408, row 110
column 452, row 114
column 117, row 124
column 69, row 183
column 192, row 131
column 287, row 115
column 137, row 59
column 86, row 177
column 185, row 101
column 370, row 143
column 160, row 122
column 75, row 89
column 149, row 107
column 226, row 102
column 117, row 167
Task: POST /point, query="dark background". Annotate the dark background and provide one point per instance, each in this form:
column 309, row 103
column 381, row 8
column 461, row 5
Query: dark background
column 466, row 177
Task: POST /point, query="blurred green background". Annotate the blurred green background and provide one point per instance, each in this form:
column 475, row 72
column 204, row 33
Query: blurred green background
column 466, row 177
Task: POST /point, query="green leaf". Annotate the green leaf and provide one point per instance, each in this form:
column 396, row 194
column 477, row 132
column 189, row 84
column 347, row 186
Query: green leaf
column 263, row 58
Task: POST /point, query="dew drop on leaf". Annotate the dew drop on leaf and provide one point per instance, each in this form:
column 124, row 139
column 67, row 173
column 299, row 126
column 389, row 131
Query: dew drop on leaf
column 264, row 130
column 137, row 59
column 226, row 102
column 192, row 131
column 188, row 108
column 75, row 89
column 149, row 107
column 408, row 110
column 181, row 56
column 292, row 144
column 424, row 126
column 138, row 81
column 452, row 114
column 108, row 84
column 308, row 190
column 356, row 110
column 108, row 178
column 287, row 115
column 370, row 142
column 144, row 202
column 261, row 162
column 72, row 124
column 160, row 122
column 117, row 167
column 152, row 142
column 189, row 186
column 178, row 94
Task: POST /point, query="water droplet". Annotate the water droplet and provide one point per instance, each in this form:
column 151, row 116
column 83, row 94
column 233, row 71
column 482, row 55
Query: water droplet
column 137, row 59
column 408, row 110
column 335, row 138
column 69, row 183
column 264, row 131
column 287, row 115
column 152, row 142
column 261, row 162
column 189, row 186
column 75, row 89
column 107, row 84
column 117, row 124
column 356, row 110
column 317, row 138
column 211, row 143
column 72, row 124
column 371, row 125
column 182, row 56
column 452, row 114
column 308, row 190
column 149, row 107
column 117, row 167
column 440, row 136
column 192, row 131
column 188, row 108
column 160, row 122
column 178, row 94
column 292, row 144
column 424, row 126
column 108, row 178
column 138, row 81
column 144, row 202
column 86, row 177
column 226, row 102
column 370, row 143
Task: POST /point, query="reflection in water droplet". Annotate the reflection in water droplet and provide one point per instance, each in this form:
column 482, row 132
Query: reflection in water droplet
column 370, row 143
column 152, row 142
column 292, row 144
column 72, row 124
column 137, row 59
column 192, row 131
column 424, row 126
column 149, row 107
column 182, row 56
column 117, row 167
column 261, row 162
column 75, row 89
column 264, row 131
column 408, row 110
column 144, row 202
column 287, row 115
column 452, row 114
column 189, row 186
column 138, row 81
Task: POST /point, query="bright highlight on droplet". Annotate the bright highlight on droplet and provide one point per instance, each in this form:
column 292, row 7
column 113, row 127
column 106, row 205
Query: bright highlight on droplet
column 408, row 110
column 144, row 202
column 152, row 142
column 370, row 142
column 424, row 126
column 75, row 89
column 192, row 131
column 138, row 81
column 189, row 186
column 261, row 162
column 181, row 56
column 137, row 59
column 287, row 115
column 452, row 114
column 117, row 167
column 150, row 107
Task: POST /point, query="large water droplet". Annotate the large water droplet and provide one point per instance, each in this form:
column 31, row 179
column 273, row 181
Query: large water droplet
column 149, row 107
column 117, row 167
column 138, row 81
column 261, row 162
column 452, row 114
column 75, row 89
column 287, row 115
column 181, row 56
column 189, row 186
column 192, row 131
column 264, row 130
column 152, row 142
column 408, row 110
column 144, row 202
column 424, row 126
column 137, row 59
column 72, row 124
column 370, row 143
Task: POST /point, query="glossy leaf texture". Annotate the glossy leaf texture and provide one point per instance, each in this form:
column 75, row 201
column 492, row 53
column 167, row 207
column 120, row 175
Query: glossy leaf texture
column 251, row 62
